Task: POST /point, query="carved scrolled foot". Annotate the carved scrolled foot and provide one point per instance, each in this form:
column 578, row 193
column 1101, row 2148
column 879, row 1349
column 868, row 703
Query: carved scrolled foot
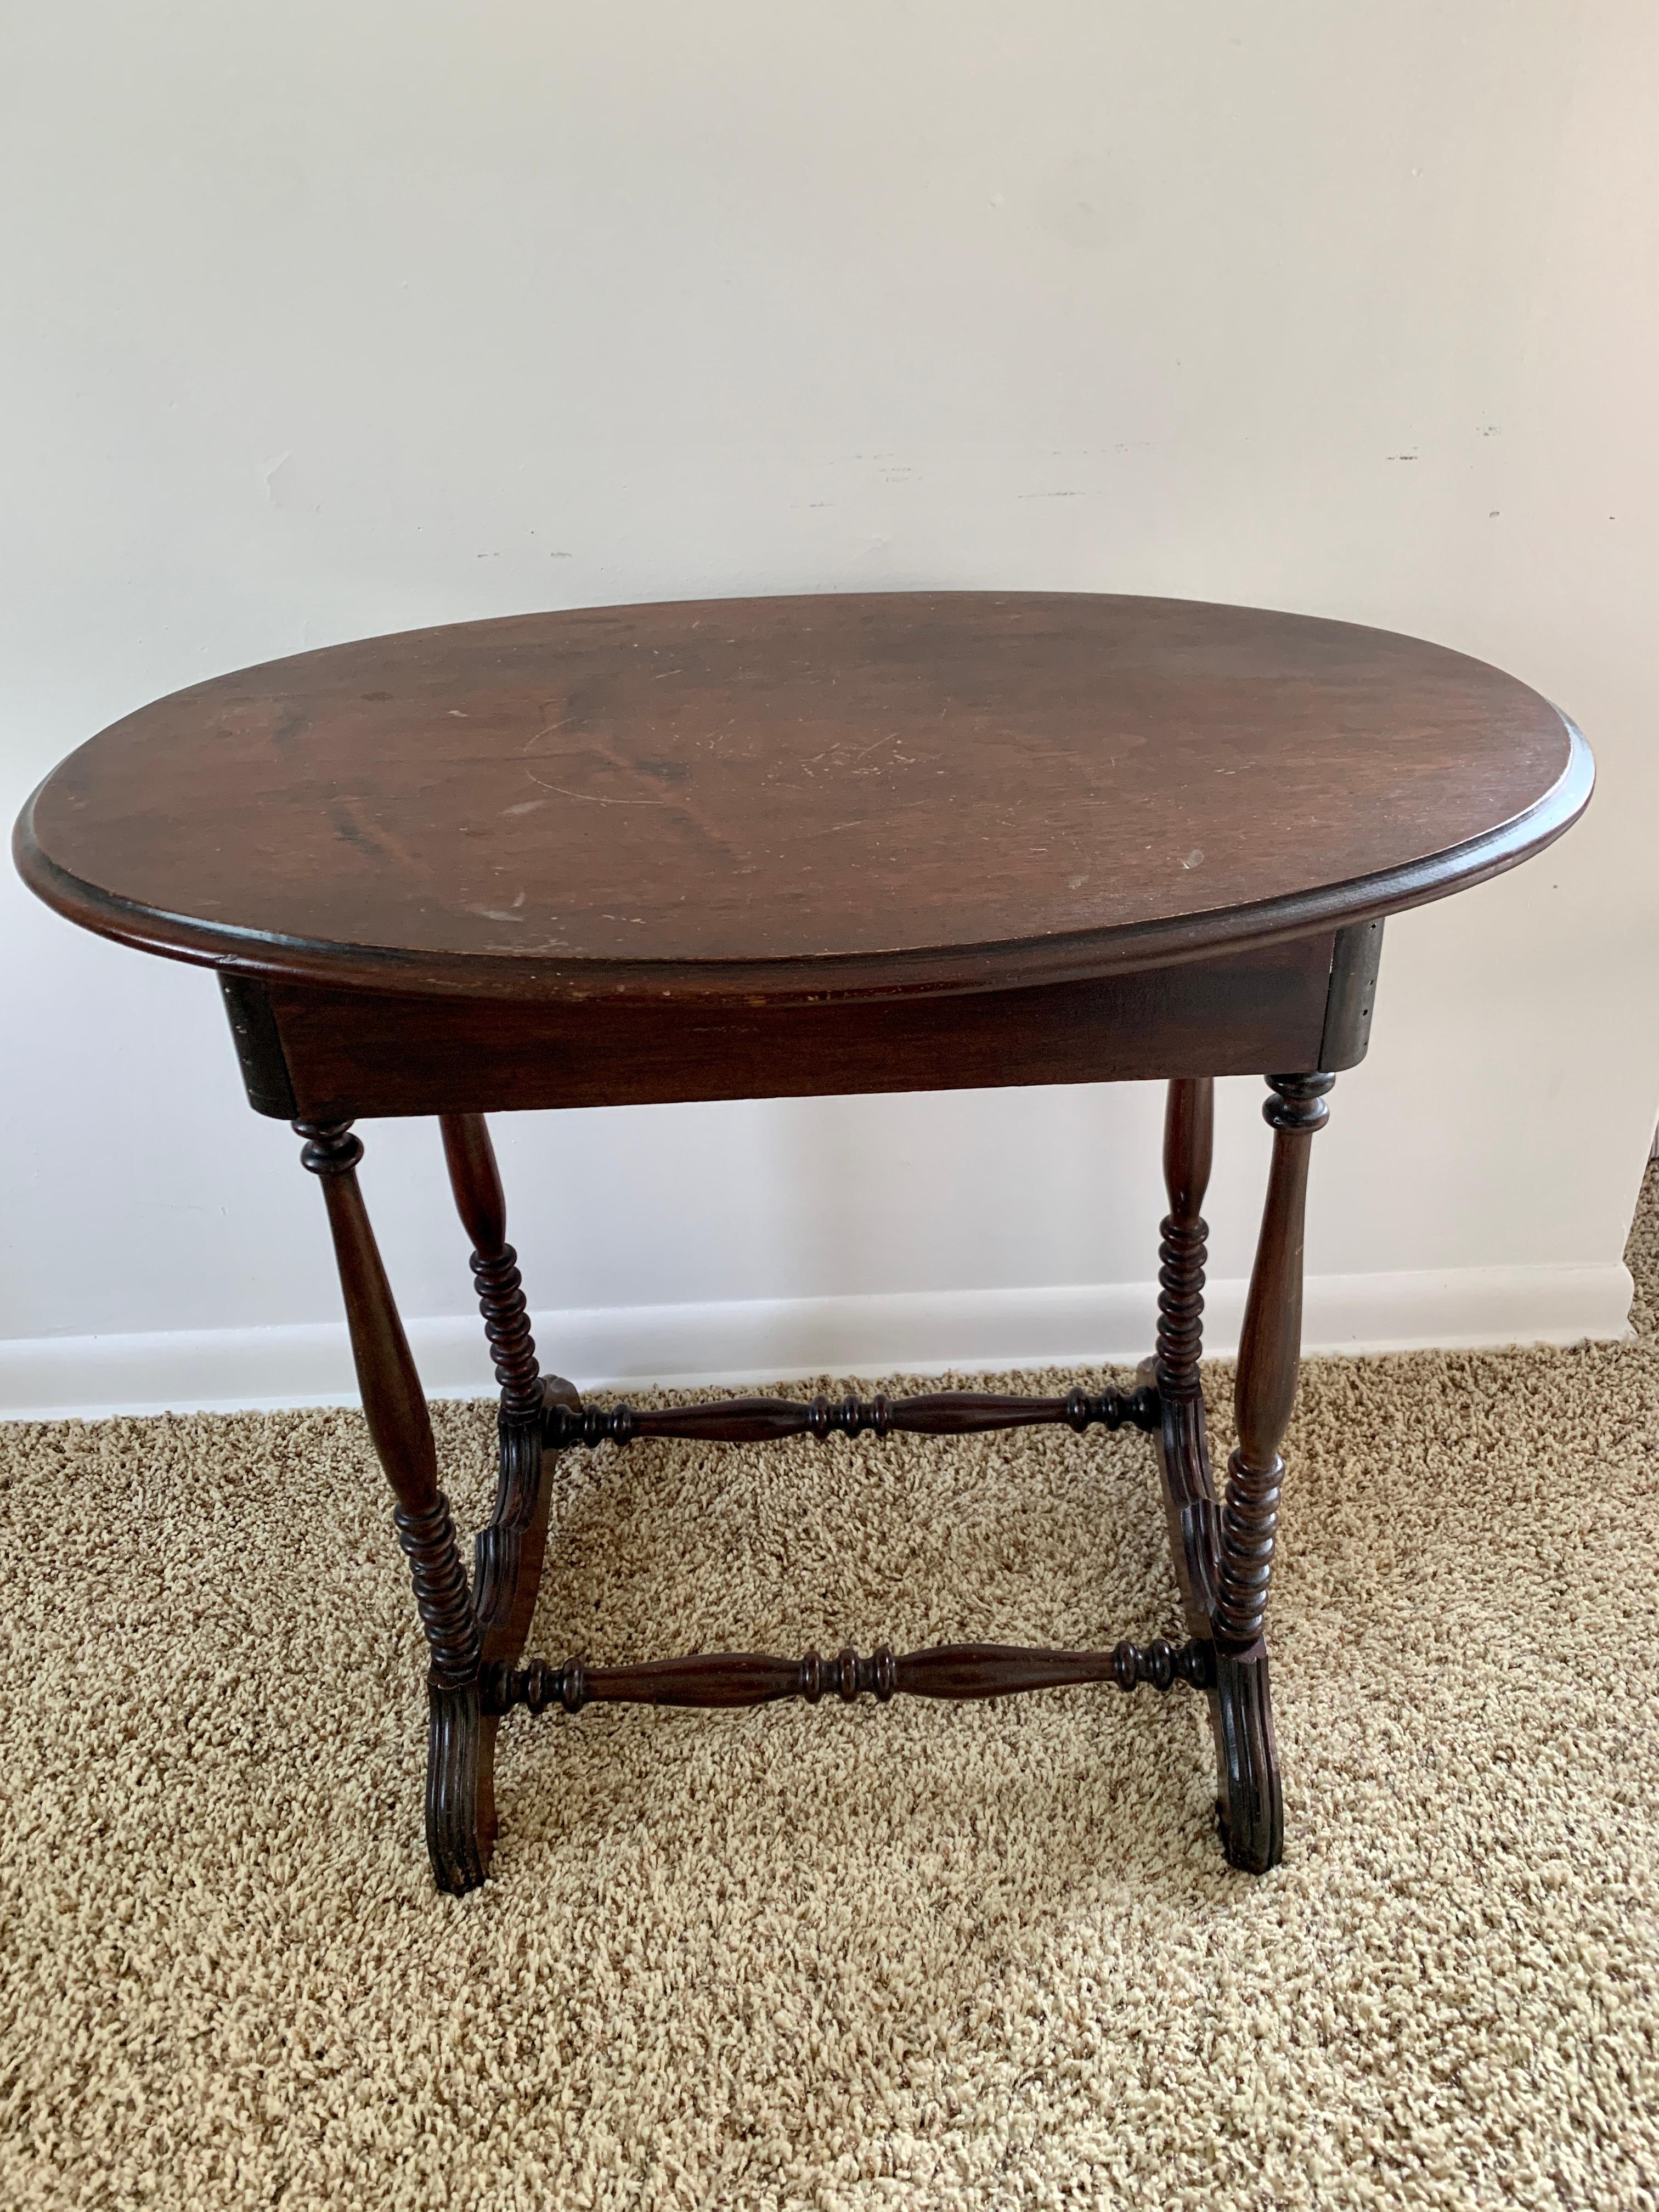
column 508, row 1550
column 507, row 1574
column 507, row 1559
column 1250, row 1809
column 460, row 1813
column 1183, row 1461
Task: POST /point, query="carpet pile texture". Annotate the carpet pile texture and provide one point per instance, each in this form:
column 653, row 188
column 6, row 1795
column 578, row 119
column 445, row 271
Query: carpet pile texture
column 912, row 1956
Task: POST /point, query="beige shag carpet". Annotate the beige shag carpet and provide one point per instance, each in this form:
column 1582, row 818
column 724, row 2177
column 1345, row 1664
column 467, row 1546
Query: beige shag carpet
column 922, row 1956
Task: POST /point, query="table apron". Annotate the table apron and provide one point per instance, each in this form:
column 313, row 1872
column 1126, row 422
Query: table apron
column 327, row 1054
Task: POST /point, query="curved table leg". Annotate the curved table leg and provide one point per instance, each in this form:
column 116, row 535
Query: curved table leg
column 1269, row 1354
column 401, row 1433
column 509, row 1552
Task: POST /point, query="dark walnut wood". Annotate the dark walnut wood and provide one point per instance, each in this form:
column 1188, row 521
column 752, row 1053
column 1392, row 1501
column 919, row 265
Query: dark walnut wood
column 1223, row 1564
column 476, row 1182
column 340, row 1055
column 1264, row 1391
column 508, row 1553
column 1188, row 1143
column 791, row 798
column 795, row 848
column 955, row 1671
column 402, row 1435
column 1173, row 1371
column 936, row 1413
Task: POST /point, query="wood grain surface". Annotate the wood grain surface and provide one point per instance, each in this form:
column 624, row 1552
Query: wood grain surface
column 795, row 798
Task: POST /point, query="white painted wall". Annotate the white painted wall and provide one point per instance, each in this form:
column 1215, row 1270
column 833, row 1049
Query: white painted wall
column 327, row 320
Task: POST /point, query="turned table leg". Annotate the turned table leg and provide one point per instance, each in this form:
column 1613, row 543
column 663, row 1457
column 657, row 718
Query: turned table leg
column 1182, row 1449
column 508, row 1553
column 1269, row 1355
column 401, row 1433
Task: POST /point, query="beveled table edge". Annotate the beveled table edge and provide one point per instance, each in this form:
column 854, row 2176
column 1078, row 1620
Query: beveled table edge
column 913, row 972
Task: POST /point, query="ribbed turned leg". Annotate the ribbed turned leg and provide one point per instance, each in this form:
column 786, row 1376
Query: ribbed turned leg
column 510, row 1550
column 1183, row 1452
column 401, row 1433
column 1269, row 1357
column 507, row 1553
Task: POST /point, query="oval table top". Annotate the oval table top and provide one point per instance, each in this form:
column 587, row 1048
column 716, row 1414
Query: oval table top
column 792, row 797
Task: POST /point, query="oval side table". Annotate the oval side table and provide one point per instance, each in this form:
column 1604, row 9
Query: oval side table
column 794, row 847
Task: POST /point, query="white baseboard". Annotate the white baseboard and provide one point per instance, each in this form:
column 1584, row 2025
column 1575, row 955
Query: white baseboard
column 194, row 1371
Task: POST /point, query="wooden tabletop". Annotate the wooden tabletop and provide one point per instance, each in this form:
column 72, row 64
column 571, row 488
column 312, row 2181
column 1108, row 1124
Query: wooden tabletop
column 782, row 798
